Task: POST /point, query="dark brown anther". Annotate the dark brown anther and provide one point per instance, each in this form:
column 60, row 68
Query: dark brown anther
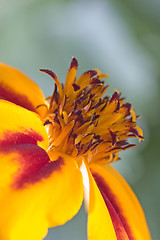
column 55, row 96
column 129, row 146
column 91, row 96
column 118, row 106
column 97, row 104
column 79, row 101
column 49, row 72
column 100, row 141
column 113, row 136
column 78, row 147
column 80, row 118
column 56, row 119
column 105, row 99
column 74, row 63
column 97, row 137
column 76, row 112
column 129, row 119
column 56, row 111
column 91, row 72
column 94, row 143
column 94, row 117
column 76, row 87
column 123, row 98
column 75, row 105
column 122, row 143
column 74, row 135
column 115, row 148
column 47, row 122
column 94, row 146
column 96, row 81
column 89, row 146
column 62, row 116
column 115, row 96
column 81, row 98
column 104, row 88
column 104, row 106
column 134, row 131
column 128, row 106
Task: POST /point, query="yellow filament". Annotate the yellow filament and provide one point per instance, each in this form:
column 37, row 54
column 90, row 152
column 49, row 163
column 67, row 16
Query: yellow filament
column 71, row 75
column 63, row 134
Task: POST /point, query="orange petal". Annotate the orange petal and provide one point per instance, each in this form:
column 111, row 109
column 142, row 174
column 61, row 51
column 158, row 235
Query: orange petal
column 125, row 211
column 19, row 89
column 37, row 190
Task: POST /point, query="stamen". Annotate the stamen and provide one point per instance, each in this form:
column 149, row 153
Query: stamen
column 83, row 123
column 53, row 75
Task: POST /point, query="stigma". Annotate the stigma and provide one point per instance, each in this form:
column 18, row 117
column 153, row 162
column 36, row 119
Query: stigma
column 82, row 121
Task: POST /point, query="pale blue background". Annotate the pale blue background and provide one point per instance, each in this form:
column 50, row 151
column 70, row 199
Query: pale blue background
column 121, row 38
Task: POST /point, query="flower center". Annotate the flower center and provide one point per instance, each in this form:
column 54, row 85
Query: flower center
column 80, row 121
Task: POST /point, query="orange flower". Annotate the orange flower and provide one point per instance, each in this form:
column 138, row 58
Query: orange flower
column 51, row 148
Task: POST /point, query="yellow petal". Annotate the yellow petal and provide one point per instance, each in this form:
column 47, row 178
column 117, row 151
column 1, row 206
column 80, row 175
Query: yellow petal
column 15, row 119
column 100, row 226
column 37, row 190
column 19, row 89
column 125, row 211
column 28, row 211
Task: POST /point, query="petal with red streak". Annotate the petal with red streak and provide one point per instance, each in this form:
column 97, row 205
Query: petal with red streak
column 100, row 226
column 125, row 211
column 19, row 89
column 37, row 190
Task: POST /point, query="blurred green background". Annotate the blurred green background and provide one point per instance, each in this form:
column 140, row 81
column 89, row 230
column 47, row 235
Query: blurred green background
column 121, row 38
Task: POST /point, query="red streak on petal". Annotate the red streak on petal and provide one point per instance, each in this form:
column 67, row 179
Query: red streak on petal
column 35, row 166
column 118, row 226
column 10, row 95
column 10, row 139
column 120, row 223
column 34, row 162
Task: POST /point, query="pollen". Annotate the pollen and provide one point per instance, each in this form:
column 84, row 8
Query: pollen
column 82, row 121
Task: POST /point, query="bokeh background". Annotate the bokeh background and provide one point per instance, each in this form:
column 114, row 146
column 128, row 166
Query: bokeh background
column 121, row 38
